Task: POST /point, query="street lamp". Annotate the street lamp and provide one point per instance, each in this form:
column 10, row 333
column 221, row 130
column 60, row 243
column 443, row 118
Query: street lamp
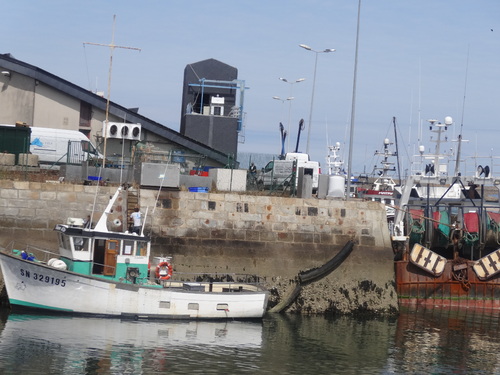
column 285, row 133
column 291, row 83
column 314, row 84
column 290, row 98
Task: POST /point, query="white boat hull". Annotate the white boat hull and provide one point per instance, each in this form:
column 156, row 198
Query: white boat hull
column 36, row 285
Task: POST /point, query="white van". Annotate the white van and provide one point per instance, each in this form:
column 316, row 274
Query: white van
column 61, row 146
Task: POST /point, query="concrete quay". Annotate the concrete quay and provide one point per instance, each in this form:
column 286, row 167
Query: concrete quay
column 272, row 237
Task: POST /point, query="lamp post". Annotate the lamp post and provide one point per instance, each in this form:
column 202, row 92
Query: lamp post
column 290, row 105
column 283, row 133
column 314, row 84
column 290, row 98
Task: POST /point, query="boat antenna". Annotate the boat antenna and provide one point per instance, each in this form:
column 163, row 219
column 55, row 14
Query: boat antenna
column 144, row 221
column 123, row 151
column 459, row 149
column 95, row 196
column 419, row 111
column 397, row 151
column 326, row 132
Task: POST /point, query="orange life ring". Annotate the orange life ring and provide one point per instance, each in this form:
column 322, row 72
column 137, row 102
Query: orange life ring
column 164, row 271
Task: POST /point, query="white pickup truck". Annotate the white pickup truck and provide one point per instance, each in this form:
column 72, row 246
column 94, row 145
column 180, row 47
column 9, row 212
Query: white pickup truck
column 278, row 172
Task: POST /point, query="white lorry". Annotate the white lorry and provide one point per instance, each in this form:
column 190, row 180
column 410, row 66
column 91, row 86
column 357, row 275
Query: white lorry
column 280, row 172
column 61, row 146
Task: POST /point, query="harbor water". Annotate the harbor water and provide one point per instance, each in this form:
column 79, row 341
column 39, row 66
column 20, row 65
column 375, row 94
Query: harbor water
column 421, row 342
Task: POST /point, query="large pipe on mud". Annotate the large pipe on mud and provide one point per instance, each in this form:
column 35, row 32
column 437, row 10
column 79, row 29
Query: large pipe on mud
column 307, row 277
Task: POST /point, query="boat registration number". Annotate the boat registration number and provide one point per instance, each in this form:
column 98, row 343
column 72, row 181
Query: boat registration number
column 43, row 278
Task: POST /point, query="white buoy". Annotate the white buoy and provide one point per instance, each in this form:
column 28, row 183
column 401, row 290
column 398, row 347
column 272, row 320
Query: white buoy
column 57, row 263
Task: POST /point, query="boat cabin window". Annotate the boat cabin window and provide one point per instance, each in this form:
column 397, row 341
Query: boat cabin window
column 142, row 248
column 64, row 241
column 137, row 248
column 128, row 247
column 80, row 243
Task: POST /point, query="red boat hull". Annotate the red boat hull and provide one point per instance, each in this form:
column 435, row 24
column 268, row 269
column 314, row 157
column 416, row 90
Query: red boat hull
column 452, row 289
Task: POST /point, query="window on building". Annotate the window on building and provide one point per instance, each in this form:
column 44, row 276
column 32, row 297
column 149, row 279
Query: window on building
column 85, row 114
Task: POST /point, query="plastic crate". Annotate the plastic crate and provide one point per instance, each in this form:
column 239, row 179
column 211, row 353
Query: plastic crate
column 198, row 173
column 198, row 189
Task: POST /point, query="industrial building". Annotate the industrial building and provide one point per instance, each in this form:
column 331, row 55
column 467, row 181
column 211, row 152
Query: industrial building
column 211, row 117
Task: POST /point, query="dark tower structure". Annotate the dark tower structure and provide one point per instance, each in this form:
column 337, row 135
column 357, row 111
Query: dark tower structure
column 212, row 105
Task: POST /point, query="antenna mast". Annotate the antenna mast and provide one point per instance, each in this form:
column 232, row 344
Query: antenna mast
column 459, row 149
column 111, row 46
column 397, row 150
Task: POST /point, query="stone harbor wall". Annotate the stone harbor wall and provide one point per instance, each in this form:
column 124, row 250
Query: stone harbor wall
column 276, row 238
column 272, row 237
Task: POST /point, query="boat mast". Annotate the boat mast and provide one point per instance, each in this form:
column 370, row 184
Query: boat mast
column 439, row 129
column 459, row 148
column 429, row 174
column 384, row 181
column 397, row 151
column 102, row 224
column 333, row 160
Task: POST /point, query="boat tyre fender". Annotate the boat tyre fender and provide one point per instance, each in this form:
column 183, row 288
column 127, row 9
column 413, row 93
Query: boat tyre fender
column 164, row 271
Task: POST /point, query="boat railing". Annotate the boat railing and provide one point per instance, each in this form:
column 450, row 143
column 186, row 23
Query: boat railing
column 39, row 254
column 455, row 211
column 479, row 166
column 448, row 218
column 229, row 280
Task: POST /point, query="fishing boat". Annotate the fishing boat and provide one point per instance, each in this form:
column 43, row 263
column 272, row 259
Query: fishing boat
column 446, row 234
column 112, row 274
column 383, row 189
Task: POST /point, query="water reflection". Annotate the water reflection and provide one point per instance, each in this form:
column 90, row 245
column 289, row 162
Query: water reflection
column 415, row 342
column 70, row 345
column 446, row 341
column 318, row 345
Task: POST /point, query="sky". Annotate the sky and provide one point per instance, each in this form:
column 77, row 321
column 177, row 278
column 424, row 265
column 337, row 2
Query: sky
column 416, row 60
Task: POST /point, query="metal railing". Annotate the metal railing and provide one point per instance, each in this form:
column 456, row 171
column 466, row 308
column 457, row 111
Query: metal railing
column 39, row 254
